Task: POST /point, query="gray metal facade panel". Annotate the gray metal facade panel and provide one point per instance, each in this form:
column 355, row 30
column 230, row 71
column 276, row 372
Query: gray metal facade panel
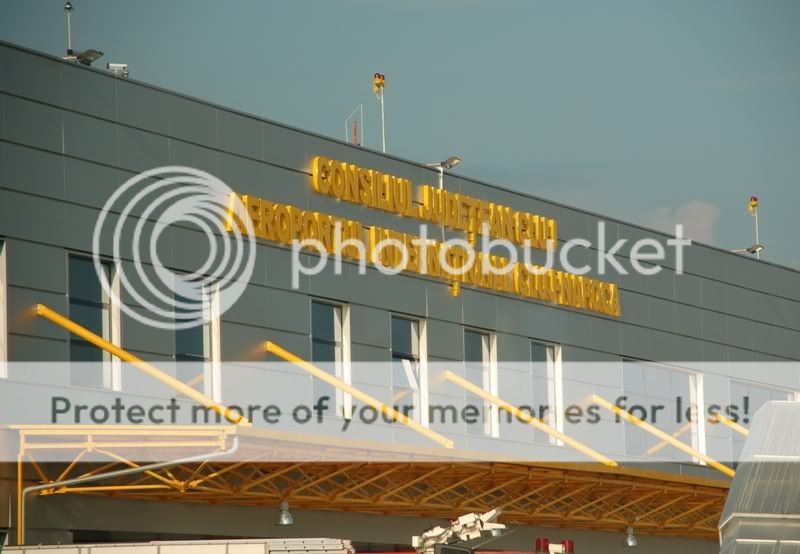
column 446, row 340
column 89, row 92
column 677, row 318
column 367, row 353
column 78, row 228
column 44, row 268
column 193, row 155
column 141, row 150
column 19, row 223
column 480, row 309
column 704, row 261
column 22, row 320
column 90, row 138
column 512, row 316
column 240, row 134
column 403, row 296
column 251, row 308
column 688, row 289
column 333, row 283
column 662, row 284
column 440, row 303
column 590, row 331
column 143, row 107
column 515, row 348
column 32, row 123
column 370, row 326
column 30, row 76
column 270, row 182
column 288, row 311
column 90, row 184
column 192, row 121
column 747, row 272
column 277, row 260
column 24, row 347
column 30, row 170
column 631, row 234
column 713, row 327
column 285, row 147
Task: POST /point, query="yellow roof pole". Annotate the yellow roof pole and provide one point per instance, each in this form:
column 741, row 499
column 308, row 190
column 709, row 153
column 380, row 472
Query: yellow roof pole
column 529, row 419
column 599, row 400
column 114, row 350
column 273, row 348
column 732, row 424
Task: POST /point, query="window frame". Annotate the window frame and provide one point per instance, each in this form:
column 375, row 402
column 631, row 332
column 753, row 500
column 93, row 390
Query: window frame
column 696, row 398
column 343, row 366
column 491, row 424
column 112, row 366
column 212, row 363
column 421, row 395
column 555, row 386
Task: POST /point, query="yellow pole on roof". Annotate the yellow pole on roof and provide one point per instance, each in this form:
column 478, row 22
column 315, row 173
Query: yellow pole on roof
column 114, row 350
column 528, row 418
column 599, row 400
column 273, row 348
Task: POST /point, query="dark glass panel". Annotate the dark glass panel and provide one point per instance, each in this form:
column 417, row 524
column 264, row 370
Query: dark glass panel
column 190, row 342
column 323, row 321
column 89, row 315
column 473, row 346
column 84, row 283
column 402, row 343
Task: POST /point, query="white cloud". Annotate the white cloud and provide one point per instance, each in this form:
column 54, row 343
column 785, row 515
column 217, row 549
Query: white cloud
column 698, row 219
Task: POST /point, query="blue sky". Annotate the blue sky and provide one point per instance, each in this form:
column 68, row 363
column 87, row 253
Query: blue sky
column 652, row 112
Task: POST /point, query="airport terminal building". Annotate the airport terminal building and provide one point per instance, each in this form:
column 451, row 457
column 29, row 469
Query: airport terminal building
column 721, row 336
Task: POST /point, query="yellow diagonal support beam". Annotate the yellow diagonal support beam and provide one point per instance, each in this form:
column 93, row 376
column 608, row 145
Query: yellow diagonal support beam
column 114, row 350
column 732, row 424
column 528, row 418
column 663, row 444
column 600, row 401
column 273, row 348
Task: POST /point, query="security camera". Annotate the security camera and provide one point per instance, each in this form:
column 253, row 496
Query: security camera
column 118, row 69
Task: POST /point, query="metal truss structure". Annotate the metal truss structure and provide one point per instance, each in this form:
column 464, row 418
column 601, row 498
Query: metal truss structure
column 582, row 496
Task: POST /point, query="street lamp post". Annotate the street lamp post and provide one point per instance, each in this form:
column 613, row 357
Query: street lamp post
column 449, row 163
column 756, row 249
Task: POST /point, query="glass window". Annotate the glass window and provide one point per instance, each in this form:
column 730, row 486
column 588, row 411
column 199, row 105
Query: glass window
column 193, row 345
column 406, row 366
column 543, row 374
column 477, row 363
column 3, row 312
column 326, row 346
column 748, row 398
column 661, row 396
column 90, row 307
